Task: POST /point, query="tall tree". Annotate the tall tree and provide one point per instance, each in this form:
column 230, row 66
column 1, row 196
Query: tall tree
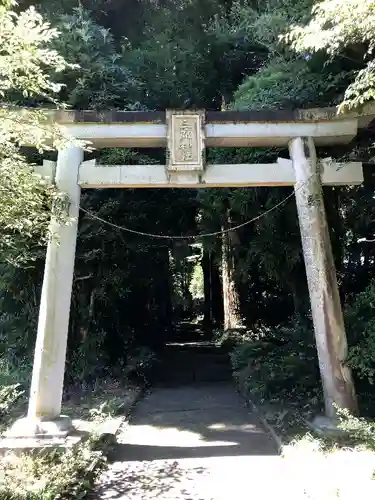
column 27, row 64
column 344, row 30
column 232, row 317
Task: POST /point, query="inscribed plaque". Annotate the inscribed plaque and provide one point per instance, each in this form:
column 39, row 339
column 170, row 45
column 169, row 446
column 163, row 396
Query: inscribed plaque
column 185, row 140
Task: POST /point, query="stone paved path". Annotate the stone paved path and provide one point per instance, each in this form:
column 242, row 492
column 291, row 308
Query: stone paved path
column 193, row 443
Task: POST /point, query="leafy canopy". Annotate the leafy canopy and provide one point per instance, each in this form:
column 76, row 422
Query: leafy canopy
column 26, row 65
column 342, row 29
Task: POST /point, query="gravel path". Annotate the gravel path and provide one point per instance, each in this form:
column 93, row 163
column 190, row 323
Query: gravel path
column 192, row 443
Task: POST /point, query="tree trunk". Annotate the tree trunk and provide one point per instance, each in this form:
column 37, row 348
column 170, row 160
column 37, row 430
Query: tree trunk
column 85, row 330
column 231, row 299
column 164, row 295
column 216, row 290
column 207, row 283
column 300, row 292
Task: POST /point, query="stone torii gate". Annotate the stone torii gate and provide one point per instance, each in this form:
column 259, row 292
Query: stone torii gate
column 186, row 134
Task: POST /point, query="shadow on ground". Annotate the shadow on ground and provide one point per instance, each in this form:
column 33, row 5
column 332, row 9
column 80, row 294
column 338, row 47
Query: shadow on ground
column 189, row 443
column 193, row 422
column 150, row 481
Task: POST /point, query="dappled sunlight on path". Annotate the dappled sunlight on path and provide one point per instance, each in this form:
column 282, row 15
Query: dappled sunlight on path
column 193, row 422
column 219, row 478
column 201, row 443
column 188, row 443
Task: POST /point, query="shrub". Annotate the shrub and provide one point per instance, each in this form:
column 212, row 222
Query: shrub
column 9, row 395
column 107, row 409
column 140, row 364
column 231, row 338
column 12, row 390
column 59, row 474
column 87, row 361
column 360, row 324
column 360, row 430
column 52, row 475
column 280, row 363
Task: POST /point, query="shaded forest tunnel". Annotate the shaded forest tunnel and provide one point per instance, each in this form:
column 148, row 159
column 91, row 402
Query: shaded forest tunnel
column 176, row 298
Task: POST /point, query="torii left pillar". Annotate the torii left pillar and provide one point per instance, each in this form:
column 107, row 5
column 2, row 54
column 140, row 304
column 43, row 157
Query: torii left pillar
column 44, row 412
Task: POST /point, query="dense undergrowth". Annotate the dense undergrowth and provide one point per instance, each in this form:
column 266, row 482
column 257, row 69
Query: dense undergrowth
column 277, row 368
column 60, row 474
column 57, row 474
column 50, row 475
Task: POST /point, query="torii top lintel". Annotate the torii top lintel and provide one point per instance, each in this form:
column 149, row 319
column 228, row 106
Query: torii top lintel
column 222, row 128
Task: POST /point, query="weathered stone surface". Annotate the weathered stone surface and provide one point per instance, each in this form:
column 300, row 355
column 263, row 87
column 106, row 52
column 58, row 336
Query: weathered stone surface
column 324, row 426
column 263, row 115
column 280, row 173
column 40, row 428
column 49, row 359
column 321, row 276
column 185, row 140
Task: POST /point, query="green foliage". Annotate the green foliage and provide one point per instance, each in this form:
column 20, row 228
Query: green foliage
column 342, row 30
column 360, row 319
column 18, row 321
column 262, row 24
column 359, row 430
column 101, row 79
column 285, row 84
column 107, row 409
column 281, row 363
column 175, row 63
column 55, row 474
column 285, row 81
column 26, row 64
column 25, row 40
column 231, row 339
column 140, row 363
column 24, row 222
column 88, row 360
column 14, row 380
column 196, row 282
column 9, row 395
column 52, row 475
column 278, row 363
column 343, row 471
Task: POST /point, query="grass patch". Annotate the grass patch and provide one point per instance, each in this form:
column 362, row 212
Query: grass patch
column 93, row 403
column 52, row 475
column 322, row 472
column 62, row 474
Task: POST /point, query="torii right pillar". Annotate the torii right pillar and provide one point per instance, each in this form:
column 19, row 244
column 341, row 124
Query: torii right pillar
column 326, row 308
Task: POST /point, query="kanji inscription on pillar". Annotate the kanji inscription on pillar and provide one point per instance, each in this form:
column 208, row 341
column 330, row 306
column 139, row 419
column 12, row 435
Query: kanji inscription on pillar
column 185, row 140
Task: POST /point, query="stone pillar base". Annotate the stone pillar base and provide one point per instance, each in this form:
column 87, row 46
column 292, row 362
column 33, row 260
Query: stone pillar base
column 40, row 428
column 326, row 427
